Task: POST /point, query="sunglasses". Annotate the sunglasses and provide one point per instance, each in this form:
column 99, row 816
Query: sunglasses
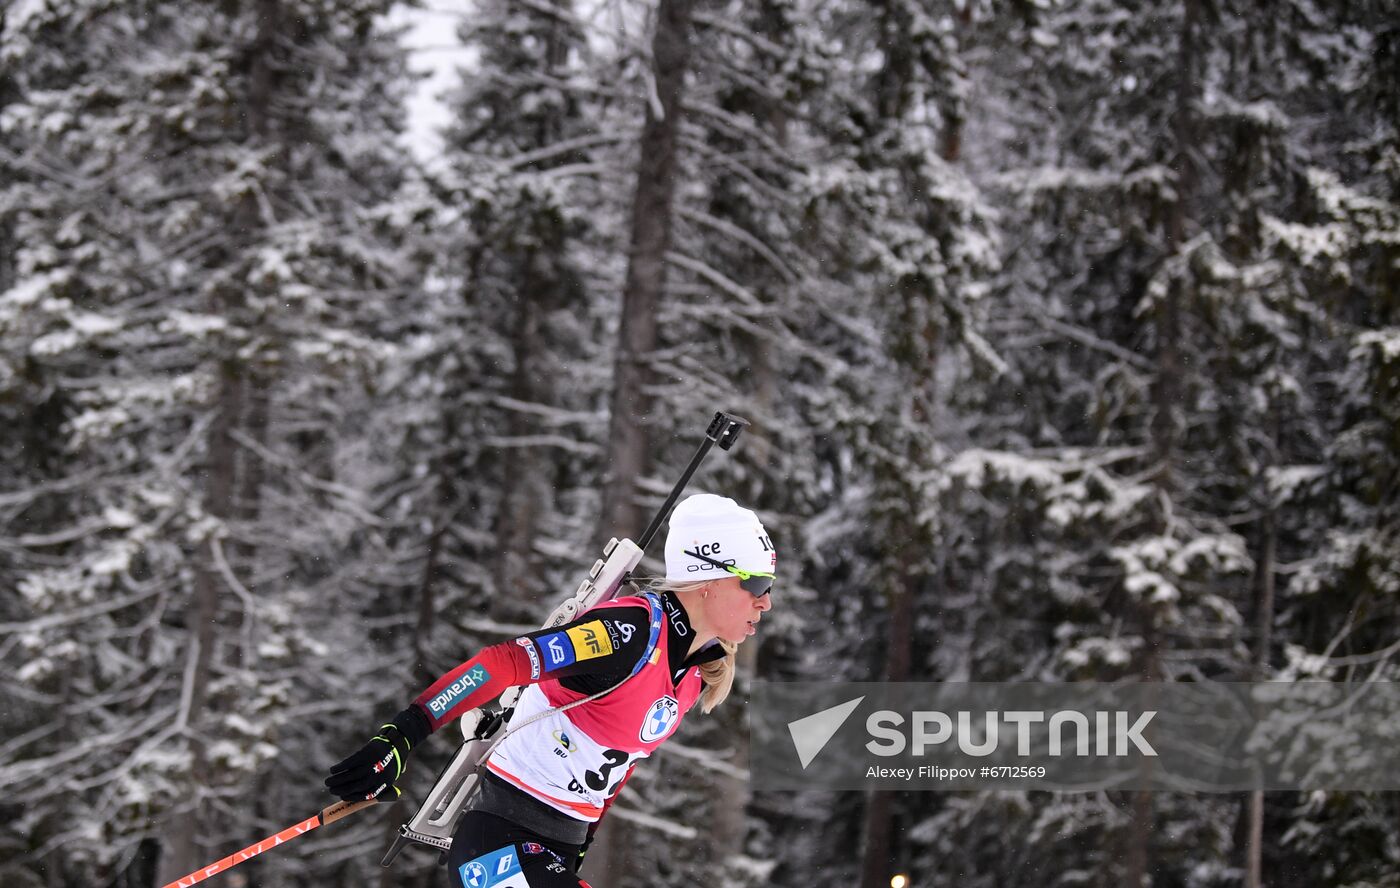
column 751, row 581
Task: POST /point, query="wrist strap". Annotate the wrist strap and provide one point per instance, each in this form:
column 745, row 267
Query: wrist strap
column 408, row 745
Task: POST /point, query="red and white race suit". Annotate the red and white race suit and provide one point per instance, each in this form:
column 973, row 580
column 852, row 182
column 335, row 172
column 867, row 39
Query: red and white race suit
column 576, row 761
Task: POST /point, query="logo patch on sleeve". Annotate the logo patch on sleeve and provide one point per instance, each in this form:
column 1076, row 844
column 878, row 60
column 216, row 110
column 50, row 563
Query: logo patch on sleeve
column 620, row 632
column 557, row 649
column 529, row 647
column 449, row 696
column 590, row 640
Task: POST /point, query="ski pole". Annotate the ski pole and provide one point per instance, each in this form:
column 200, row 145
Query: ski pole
column 329, row 815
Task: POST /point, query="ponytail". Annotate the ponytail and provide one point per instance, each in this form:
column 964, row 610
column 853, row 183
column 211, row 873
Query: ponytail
column 718, row 676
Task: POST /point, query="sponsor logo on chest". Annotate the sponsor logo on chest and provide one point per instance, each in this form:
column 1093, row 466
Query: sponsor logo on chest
column 660, row 720
column 620, row 633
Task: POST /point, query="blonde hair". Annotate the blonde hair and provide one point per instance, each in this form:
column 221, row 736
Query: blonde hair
column 718, row 675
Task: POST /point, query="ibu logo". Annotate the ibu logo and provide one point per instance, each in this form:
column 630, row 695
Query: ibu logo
column 660, row 719
column 565, row 745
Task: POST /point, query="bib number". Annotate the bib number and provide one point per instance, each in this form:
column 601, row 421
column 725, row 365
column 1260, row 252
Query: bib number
column 598, row 779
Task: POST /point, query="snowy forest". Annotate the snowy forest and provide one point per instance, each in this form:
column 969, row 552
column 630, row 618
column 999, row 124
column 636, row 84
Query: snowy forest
column 1069, row 331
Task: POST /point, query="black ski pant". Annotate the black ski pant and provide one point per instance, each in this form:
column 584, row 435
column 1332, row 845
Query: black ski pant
column 545, row 863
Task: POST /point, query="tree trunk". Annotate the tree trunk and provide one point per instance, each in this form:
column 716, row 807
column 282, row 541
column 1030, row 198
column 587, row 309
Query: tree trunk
column 527, row 484
column 657, row 170
column 732, row 795
column 542, row 287
column 954, row 106
column 628, row 438
column 1264, row 585
column 185, row 849
column 1166, row 396
column 426, row 617
column 879, row 810
column 8, row 247
column 183, row 852
column 242, row 557
column 1254, row 865
column 1138, row 858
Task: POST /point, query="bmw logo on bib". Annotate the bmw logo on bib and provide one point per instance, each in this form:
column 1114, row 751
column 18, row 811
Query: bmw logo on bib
column 474, row 875
column 663, row 715
column 495, row 869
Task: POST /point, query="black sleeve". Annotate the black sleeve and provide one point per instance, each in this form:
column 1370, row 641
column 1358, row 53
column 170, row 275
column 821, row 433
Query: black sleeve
column 592, row 653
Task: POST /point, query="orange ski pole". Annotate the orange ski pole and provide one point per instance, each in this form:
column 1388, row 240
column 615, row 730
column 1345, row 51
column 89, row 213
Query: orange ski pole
column 329, row 815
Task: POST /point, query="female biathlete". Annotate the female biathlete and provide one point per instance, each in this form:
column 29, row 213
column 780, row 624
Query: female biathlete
column 545, row 788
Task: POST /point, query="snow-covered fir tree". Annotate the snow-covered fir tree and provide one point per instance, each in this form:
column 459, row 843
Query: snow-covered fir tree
column 208, row 282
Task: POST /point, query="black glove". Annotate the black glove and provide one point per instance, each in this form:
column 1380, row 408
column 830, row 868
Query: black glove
column 374, row 771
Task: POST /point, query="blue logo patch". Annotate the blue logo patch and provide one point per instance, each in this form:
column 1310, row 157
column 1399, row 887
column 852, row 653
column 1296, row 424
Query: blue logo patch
column 558, row 650
column 490, row 869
